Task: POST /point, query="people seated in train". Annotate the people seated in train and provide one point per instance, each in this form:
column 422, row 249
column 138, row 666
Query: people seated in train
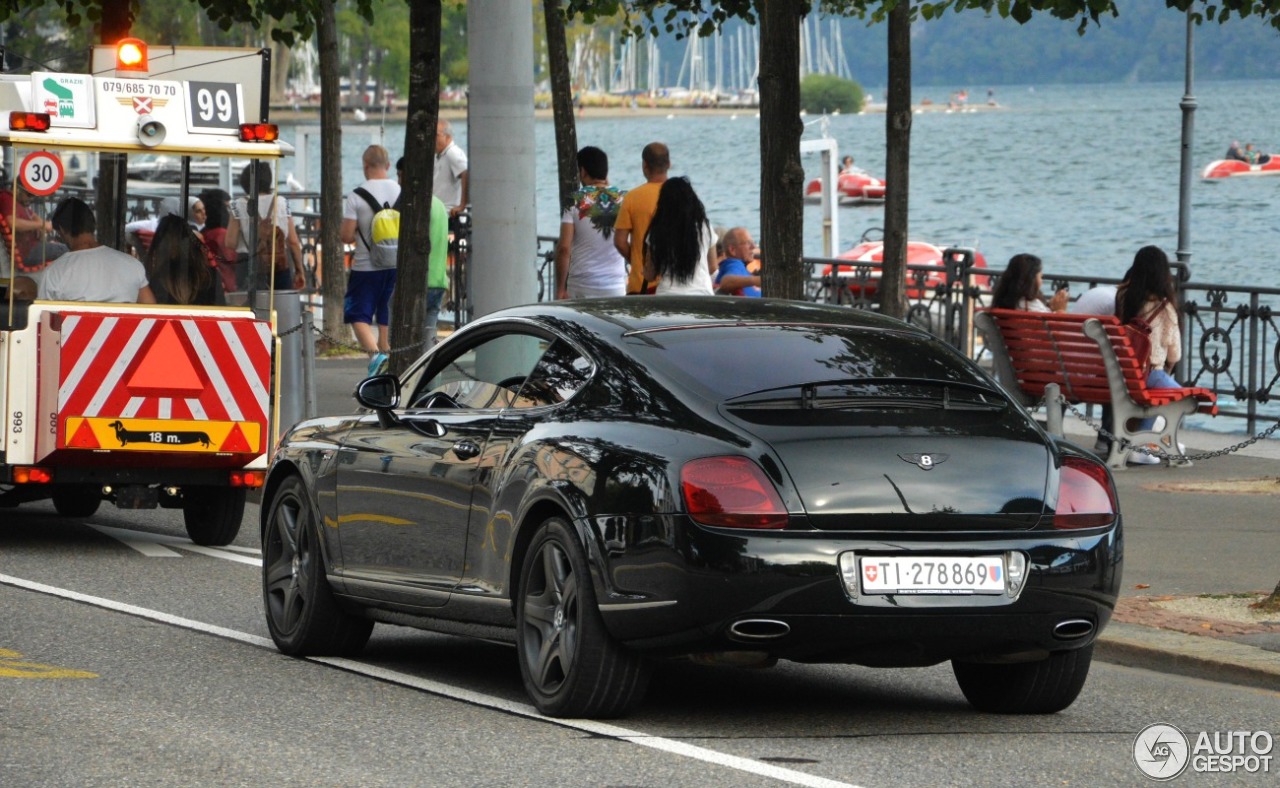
column 90, row 271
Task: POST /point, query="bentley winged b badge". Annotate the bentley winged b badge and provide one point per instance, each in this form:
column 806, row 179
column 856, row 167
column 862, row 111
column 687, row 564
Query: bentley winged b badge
column 925, row 461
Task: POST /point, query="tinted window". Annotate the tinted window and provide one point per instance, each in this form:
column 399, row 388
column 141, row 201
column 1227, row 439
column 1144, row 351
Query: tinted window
column 730, row 361
column 558, row 375
column 483, row 376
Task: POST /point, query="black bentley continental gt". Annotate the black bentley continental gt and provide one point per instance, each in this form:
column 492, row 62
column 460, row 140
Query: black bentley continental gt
column 605, row 483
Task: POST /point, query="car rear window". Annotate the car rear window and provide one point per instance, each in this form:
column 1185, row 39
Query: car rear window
column 731, row 361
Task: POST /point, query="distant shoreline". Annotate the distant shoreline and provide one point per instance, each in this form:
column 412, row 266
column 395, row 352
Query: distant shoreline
column 289, row 114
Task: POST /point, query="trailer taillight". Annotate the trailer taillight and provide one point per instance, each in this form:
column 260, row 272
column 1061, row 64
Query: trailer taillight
column 248, row 478
column 28, row 121
column 32, row 474
column 259, row 132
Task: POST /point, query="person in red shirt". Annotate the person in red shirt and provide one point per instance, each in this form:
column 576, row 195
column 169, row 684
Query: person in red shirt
column 35, row 248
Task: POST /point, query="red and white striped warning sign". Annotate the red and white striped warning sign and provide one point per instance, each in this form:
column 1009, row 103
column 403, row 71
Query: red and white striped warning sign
column 184, row 369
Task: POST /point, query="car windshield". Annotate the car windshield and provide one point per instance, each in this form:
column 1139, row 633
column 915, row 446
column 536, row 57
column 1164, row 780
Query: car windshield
column 820, row 365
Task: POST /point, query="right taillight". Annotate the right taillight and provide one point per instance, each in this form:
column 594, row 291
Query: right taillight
column 1086, row 497
column 731, row 492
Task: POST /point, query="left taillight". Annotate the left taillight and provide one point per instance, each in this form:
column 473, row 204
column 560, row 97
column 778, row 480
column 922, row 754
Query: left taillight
column 731, row 492
column 1086, row 497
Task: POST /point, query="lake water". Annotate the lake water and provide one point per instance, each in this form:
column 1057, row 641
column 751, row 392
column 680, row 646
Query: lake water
column 1082, row 175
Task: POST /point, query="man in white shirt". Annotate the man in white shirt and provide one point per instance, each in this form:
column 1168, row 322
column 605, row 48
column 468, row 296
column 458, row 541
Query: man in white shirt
column 91, row 271
column 450, row 182
column 368, row 298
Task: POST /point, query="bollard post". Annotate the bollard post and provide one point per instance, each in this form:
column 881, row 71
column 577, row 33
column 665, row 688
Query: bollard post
column 308, row 363
column 288, row 309
column 1053, row 409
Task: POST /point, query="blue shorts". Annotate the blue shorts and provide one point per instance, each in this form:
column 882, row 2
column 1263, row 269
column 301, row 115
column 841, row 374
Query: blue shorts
column 369, row 297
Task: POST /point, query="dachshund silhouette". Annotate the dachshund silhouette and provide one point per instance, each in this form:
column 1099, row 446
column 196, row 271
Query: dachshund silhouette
column 126, row 436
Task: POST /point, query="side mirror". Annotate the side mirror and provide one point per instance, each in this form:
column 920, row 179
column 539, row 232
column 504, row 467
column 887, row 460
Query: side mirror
column 380, row 392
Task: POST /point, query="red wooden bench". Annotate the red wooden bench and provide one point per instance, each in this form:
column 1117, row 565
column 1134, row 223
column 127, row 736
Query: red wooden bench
column 1092, row 361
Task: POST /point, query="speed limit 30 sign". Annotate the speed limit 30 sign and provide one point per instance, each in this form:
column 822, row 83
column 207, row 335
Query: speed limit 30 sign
column 41, row 173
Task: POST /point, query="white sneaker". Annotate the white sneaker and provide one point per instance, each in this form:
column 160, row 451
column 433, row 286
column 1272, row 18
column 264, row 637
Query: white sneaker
column 1142, row 458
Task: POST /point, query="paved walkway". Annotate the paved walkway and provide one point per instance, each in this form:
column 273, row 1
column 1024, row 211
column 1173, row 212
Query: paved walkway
column 1200, row 546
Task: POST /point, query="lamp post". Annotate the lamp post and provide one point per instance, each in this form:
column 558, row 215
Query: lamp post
column 1184, row 186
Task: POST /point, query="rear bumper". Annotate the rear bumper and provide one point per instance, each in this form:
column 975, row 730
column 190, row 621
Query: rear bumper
column 694, row 593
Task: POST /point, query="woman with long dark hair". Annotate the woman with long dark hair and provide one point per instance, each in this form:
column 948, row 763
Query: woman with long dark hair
column 179, row 270
column 679, row 242
column 1019, row 287
column 217, row 205
column 1148, row 293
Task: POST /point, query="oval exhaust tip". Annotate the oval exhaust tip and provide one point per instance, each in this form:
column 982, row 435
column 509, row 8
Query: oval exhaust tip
column 1073, row 629
column 758, row 629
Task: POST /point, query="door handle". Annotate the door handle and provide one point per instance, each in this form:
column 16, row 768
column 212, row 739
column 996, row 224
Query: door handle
column 465, row 450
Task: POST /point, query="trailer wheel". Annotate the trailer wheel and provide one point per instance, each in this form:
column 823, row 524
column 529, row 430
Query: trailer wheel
column 213, row 514
column 76, row 500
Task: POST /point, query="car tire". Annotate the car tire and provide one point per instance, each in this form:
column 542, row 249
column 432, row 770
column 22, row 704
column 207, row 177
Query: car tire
column 571, row 665
column 213, row 514
column 77, row 500
column 302, row 614
column 1043, row 687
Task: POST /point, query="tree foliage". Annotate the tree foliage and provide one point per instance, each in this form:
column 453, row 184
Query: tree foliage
column 829, row 93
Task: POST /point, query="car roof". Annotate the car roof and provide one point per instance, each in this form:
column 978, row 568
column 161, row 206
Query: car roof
column 618, row 316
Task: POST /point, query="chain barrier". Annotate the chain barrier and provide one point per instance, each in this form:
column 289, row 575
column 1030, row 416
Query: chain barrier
column 345, row 344
column 1159, row 452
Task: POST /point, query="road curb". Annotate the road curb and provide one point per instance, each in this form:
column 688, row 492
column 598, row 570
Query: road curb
column 1189, row 655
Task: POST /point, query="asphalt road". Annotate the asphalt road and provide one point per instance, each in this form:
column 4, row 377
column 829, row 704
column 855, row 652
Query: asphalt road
column 129, row 656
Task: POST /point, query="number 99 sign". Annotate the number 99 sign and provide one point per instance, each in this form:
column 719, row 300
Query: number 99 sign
column 41, row 173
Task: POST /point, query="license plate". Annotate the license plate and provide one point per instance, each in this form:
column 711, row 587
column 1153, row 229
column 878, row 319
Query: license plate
column 924, row 574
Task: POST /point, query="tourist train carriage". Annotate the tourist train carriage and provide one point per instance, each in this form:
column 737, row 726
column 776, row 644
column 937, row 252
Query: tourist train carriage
column 139, row 405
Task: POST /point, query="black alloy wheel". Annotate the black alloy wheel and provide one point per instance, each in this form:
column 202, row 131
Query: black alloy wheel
column 1044, row 687
column 570, row 664
column 302, row 613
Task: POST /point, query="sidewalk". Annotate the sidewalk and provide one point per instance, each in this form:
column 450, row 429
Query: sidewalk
column 1200, row 547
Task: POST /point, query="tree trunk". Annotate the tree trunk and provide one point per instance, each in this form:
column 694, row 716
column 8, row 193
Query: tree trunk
column 781, row 175
column 562, row 102
column 893, row 299
column 409, row 301
column 334, row 278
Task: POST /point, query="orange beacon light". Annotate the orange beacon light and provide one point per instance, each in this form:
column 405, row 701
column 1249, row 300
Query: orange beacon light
column 131, row 55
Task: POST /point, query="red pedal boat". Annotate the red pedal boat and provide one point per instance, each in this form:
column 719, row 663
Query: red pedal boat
column 860, row 281
column 855, row 188
column 1268, row 164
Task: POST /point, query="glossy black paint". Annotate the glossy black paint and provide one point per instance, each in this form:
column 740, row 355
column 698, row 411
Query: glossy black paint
column 427, row 511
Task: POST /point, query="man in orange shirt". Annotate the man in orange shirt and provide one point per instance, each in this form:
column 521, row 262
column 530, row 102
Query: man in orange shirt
column 635, row 213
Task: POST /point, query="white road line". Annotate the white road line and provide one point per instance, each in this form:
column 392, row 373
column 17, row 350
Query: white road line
column 151, row 545
column 672, row 746
column 145, row 546
column 218, row 552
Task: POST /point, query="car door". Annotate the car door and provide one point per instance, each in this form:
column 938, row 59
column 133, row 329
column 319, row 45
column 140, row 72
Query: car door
column 405, row 486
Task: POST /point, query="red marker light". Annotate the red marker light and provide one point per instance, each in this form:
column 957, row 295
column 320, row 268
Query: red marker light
column 248, row 478
column 259, row 132
column 131, row 55
column 28, row 121
column 32, row 474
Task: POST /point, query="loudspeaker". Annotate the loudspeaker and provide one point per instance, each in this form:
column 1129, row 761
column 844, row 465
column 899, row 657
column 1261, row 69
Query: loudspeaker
column 150, row 131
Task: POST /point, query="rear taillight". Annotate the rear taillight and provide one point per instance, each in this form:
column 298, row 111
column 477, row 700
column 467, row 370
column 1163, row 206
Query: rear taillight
column 731, row 492
column 1086, row 497
column 244, row 478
